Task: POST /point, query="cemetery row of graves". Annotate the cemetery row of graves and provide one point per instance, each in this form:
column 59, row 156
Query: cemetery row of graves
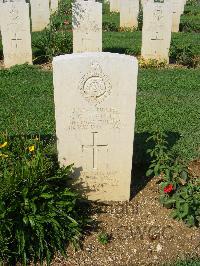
column 121, row 34
column 65, row 113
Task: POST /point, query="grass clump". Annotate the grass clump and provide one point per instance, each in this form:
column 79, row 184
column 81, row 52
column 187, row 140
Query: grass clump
column 103, row 238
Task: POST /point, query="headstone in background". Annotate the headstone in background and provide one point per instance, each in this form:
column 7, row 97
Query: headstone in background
column 87, row 26
column 129, row 10
column 156, row 31
column 177, row 10
column 40, row 14
column 54, row 5
column 114, row 5
column 15, row 31
column 95, row 100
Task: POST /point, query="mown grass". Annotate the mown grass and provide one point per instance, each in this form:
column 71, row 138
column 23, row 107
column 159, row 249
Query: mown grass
column 167, row 99
column 26, row 102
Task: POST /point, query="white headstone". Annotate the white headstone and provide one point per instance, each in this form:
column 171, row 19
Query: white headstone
column 40, row 14
column 129, row 10
column 54, row 5
column 87, row 26
column 114, row 5
column 16, row 37
column 177, row 9
column 95, row 100
column 156, row 31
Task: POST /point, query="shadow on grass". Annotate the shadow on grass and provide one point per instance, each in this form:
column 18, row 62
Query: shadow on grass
column 141, row 159
column 118, row 50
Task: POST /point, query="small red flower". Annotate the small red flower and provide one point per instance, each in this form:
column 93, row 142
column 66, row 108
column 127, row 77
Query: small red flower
column 168, row 188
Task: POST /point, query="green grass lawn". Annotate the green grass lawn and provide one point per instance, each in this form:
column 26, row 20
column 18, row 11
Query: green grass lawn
column 166, row 99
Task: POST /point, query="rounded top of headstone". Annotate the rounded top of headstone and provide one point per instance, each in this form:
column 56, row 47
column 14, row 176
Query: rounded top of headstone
column 94, row 55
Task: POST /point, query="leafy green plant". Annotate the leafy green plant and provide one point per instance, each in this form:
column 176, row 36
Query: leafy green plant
column 39, row 213
column 103, row 238
column 56, row 39
column 178, row 189
column 184, row 55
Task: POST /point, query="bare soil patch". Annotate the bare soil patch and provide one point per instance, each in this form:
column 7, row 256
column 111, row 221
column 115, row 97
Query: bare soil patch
column 142, row 233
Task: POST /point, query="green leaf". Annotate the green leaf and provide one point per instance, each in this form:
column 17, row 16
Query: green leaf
column 46, row 196
column 149, row 172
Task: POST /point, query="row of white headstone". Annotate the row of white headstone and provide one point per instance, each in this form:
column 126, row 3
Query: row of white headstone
column 129, row 10
column 87, row 29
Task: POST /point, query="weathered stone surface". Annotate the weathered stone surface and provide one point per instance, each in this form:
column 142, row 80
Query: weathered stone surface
column 87, row 26
column 16, row 37
column 95, row 100
column 156, row 32
column 114, row 5
column 129, row 10
column 40, row 14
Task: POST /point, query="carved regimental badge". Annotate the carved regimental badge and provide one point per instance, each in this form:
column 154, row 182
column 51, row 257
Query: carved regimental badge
column 95, row 86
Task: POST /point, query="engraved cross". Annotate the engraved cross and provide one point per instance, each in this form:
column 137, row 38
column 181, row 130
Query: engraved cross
column 156, row 38
column 95, row 148
column 16, row 40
